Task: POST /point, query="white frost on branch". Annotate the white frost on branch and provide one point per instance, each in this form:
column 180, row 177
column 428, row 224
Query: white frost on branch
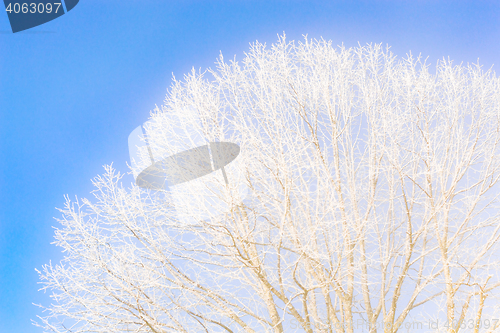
column 373, row 202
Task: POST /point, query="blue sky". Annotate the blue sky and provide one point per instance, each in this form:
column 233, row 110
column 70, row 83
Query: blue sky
column 73, row 89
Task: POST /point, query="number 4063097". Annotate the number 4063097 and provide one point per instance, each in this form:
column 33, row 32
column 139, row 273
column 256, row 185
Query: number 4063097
column 32, row 8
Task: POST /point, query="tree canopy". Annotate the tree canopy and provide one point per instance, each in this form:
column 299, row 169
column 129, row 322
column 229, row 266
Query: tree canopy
column 371, row 200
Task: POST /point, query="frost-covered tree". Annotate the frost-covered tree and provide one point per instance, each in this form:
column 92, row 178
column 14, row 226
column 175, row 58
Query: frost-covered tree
column 371, row 203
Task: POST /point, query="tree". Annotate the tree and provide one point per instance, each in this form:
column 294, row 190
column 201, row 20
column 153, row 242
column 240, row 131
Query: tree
column 372, row 203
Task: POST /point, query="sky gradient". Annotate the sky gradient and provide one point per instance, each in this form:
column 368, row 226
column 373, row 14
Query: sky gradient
column 73, row 89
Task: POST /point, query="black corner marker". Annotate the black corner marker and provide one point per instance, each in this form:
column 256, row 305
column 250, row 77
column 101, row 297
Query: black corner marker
column 70, row 4
column 24, row 14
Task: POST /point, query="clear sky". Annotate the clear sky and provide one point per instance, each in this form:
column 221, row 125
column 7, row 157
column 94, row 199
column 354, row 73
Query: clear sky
column 73, row 89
